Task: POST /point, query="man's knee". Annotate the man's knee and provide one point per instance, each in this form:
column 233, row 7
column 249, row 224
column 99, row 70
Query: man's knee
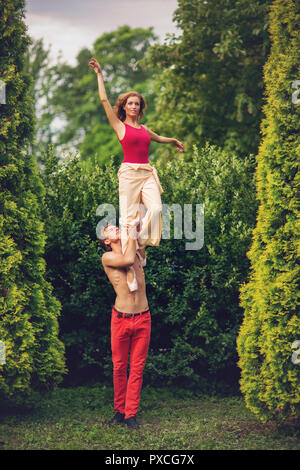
column 119, row 366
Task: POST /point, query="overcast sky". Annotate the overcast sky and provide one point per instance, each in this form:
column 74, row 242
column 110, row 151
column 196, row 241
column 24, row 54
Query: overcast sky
column 69, row 25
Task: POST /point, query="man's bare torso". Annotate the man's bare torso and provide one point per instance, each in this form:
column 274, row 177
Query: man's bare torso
column 126, row 301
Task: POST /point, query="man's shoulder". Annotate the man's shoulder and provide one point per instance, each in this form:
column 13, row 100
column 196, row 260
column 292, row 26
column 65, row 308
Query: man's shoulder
column 110, row 257
column 106, row 257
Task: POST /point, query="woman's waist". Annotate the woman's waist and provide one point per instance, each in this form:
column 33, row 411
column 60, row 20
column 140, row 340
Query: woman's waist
column 133, row 169
column 135, row 166
column 136, row 160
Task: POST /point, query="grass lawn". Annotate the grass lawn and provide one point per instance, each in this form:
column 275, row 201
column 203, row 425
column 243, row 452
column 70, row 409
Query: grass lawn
column 74, row 418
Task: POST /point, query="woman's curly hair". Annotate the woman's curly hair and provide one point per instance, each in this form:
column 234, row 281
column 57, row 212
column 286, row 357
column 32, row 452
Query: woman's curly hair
column 121, row 101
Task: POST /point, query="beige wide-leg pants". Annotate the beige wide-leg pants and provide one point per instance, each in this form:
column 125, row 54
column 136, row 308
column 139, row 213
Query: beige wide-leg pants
column 139, row 202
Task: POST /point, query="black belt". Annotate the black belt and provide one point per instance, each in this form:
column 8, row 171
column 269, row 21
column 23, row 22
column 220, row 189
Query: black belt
column 129, row 315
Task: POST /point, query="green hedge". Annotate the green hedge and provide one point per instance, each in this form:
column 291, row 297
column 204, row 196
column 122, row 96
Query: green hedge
column 193, row 295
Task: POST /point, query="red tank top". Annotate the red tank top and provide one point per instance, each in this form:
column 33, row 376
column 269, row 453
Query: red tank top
column 135, row 145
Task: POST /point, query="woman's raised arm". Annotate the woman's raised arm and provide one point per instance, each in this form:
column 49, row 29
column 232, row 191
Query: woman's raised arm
column 114, row 121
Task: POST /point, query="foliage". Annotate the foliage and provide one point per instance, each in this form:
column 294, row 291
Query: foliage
column 209, row 81
column 34, row 355
column 270, row 380
column 44, row 81
column 193, row 295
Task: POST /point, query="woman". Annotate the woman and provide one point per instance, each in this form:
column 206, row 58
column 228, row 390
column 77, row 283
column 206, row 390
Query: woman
column 139, row 186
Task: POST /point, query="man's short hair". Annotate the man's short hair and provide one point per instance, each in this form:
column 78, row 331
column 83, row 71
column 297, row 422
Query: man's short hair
column 102, row 239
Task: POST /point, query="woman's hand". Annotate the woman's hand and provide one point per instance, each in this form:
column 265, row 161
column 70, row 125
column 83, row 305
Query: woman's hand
column 178, row 145
column 94, row 64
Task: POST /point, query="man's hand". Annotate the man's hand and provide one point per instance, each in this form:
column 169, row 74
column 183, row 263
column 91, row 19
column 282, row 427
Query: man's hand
column 133, row 232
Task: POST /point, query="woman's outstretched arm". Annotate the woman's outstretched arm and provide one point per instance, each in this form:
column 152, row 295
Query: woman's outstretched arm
column 165, row 140
column 114, row 121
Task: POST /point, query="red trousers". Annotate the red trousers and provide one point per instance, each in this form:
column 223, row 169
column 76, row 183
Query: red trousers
column 129, row 335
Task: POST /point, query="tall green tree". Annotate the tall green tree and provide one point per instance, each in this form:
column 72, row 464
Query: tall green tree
column 28, row 310
column 270, row 379
column 209, row 80
column 44, row 80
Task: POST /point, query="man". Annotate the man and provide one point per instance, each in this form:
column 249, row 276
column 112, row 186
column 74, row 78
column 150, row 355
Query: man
column 130, row 323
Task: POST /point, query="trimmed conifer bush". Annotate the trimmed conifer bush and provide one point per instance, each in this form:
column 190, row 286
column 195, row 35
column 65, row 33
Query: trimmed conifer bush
column 34, row 356
column 270, row 378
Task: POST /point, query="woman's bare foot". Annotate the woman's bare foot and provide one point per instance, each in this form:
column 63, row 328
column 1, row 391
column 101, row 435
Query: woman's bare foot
column 142, row 255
